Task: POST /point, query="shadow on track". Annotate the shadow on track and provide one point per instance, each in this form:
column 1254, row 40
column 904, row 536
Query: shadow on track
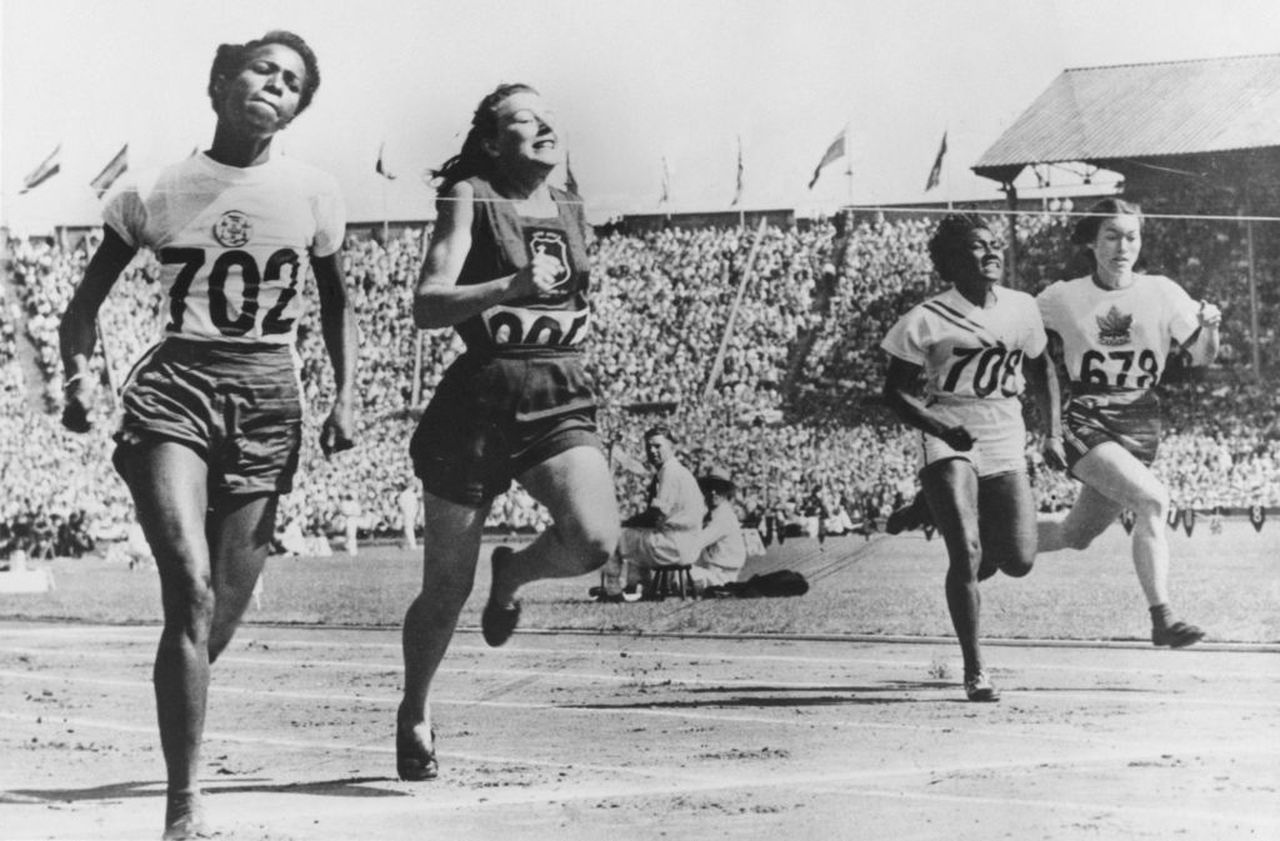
column 349, row 787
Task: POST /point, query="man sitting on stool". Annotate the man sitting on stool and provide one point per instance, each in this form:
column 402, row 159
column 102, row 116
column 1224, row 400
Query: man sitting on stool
column 668, row 531
column 724, row 552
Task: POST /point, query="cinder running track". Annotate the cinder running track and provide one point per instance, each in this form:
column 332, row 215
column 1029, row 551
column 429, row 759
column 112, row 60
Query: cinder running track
column 594, row 737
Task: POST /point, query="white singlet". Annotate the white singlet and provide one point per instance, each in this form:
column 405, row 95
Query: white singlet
column 1118, row 338
column 234, row 242
column 972, row 359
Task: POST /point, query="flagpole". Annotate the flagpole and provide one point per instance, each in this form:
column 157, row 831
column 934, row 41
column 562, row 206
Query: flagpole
column 416, row 391
column 386, row 223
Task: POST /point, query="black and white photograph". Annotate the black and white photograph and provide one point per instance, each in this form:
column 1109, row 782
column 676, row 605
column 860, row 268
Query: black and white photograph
column 698, row 419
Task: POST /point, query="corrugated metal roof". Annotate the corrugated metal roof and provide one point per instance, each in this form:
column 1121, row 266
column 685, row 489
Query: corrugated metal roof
column 1143, row 110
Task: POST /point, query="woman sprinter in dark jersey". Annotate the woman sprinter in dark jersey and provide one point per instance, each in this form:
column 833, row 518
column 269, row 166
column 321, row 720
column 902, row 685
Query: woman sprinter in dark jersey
column 507, row 267
column 212, row 414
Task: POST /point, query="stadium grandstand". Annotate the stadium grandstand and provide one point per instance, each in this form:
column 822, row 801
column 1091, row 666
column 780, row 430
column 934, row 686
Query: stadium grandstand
column 776, row 370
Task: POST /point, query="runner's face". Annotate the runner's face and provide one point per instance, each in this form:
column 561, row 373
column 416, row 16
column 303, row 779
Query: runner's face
column 526, row 132
column 264, row 96
column 1116, row 246
column 981, row 258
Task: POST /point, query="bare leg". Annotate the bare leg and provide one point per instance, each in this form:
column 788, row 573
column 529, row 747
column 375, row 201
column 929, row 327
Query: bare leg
column 1114, row 481
column 951, row 488
column 239, row 530
column 168, row 483
column 577, row 489
column 1006, row 524
column 1116, row 474
column 1092, row 514
column 451, row 546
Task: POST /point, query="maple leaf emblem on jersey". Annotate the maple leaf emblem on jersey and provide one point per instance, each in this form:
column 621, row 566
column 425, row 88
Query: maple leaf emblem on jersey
column 1114, row 327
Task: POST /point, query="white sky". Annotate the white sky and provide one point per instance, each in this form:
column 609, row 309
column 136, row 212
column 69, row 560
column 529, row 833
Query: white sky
column 632, row 82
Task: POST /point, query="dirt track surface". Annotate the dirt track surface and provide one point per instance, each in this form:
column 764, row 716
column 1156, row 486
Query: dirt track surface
column 588, row 737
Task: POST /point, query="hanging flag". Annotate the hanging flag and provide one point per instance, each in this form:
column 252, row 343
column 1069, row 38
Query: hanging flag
column 570, row 182
column 48, row 168
column 834, row 152
column 380, row 169
column 935, row 174
column 113, row 170
column 737, row 193
column 1257, row 516
column 666, row 182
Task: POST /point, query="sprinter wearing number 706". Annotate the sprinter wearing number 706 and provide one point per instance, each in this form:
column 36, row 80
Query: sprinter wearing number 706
column 972, row 344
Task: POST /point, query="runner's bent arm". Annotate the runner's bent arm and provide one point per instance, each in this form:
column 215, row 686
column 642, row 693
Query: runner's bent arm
column 1042, row 379
column 438, row 300
column 899, row 384
column 78, row 330
column 1202, row 345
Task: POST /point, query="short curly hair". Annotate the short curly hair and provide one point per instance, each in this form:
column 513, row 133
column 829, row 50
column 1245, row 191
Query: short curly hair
column 949, row 236
column 230, row 59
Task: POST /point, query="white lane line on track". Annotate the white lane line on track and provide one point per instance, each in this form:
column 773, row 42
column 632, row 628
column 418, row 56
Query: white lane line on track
column 672, row 781
column 531, row 637
column 1155, row 696
column 1267, row 668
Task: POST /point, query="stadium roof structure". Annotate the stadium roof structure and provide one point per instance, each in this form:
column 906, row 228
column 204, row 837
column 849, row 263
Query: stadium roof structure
column 1122, row 117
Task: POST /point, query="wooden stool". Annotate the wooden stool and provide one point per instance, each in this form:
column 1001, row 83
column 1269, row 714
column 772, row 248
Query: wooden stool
column 670, row 581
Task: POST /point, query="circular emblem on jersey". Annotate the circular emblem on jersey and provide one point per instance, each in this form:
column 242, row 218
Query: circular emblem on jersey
column 233, row 229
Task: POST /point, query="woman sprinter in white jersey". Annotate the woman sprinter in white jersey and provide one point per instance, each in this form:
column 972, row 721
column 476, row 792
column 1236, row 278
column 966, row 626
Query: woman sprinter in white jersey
column 971, row 343
column 507, row 267
column 1112, row 331
column 212, row 414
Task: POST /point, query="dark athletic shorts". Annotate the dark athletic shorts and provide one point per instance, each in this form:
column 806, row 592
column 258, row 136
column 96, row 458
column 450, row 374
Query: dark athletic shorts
column 494, row 417
column 1131, row 418
column 237, row 405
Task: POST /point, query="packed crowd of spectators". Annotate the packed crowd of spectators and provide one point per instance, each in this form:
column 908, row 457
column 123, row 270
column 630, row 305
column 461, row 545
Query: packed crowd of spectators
column 791, row 410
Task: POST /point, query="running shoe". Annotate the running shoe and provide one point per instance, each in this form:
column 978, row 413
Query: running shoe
column 915, row 514
column 1177, row 635
column 498, row 621
column 415, row 762
column 978, row 687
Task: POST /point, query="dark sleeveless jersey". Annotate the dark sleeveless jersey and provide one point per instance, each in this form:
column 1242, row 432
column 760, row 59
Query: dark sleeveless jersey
column 502, row 242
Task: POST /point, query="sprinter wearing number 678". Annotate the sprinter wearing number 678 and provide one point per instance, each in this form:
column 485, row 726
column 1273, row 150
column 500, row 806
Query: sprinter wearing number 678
column 1112, row 332
column 976, row 345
